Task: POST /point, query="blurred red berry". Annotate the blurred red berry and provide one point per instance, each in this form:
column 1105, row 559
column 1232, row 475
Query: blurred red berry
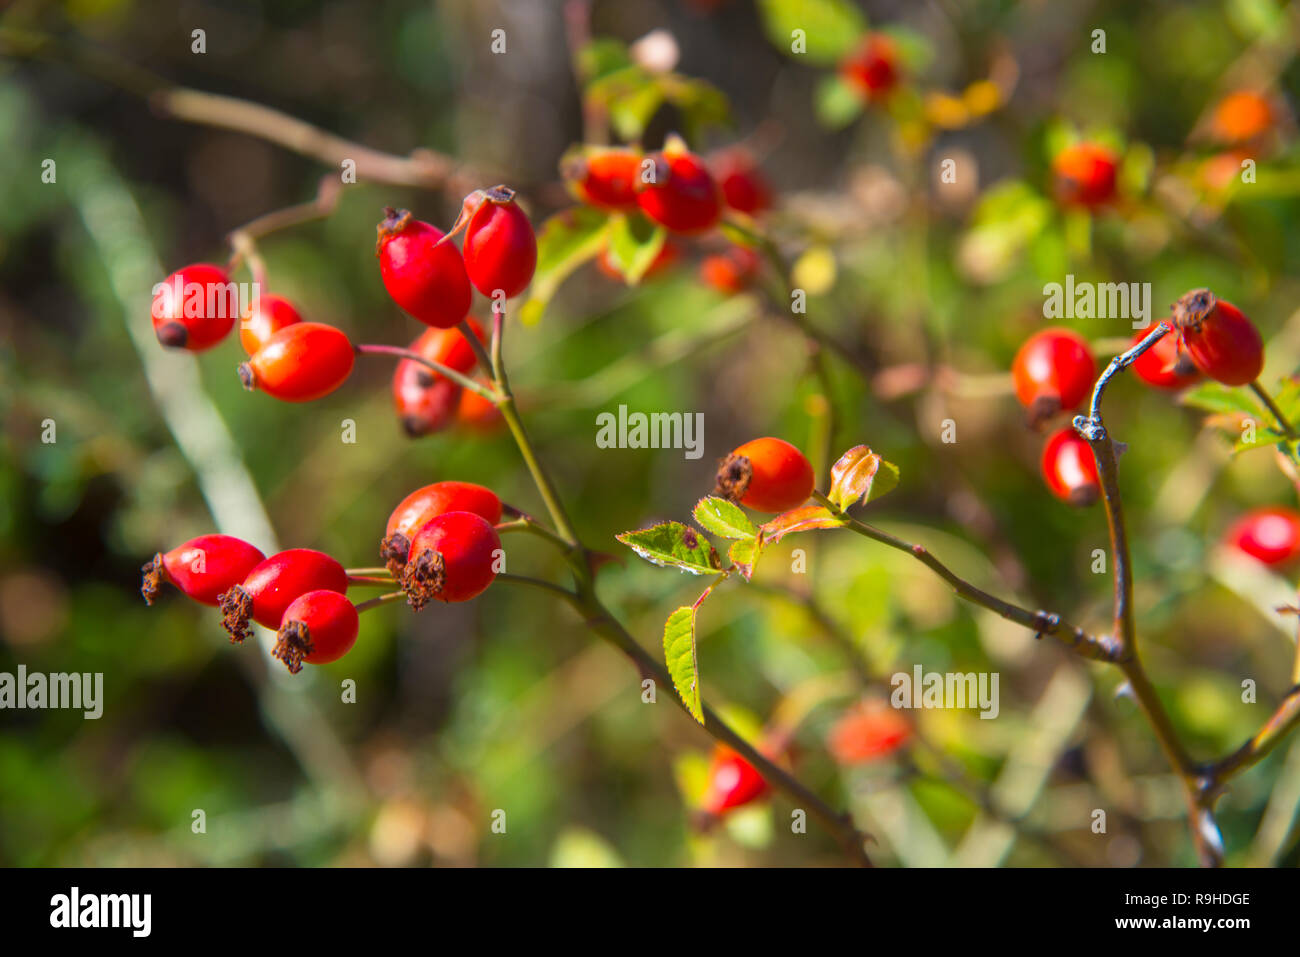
column 1271, row 535
column 733, row 782
column 1053, row 371
column 1085, row 175
column 195, row 307
column 866, row 733
column 1241, row 116
column 873, row 68
column 683, row 195
column 744, row 188
column 1070, row 469
column 732, row 271
column 604, row 178
column 1165, row 365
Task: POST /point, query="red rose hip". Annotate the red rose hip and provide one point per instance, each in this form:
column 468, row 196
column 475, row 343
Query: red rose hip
column 767, row 475
column 500, row 247
column 1165, row 365
column 273, row 584
column 427, row 503
column 318, row 627
column 195, row 307
column 1271, row 535
column 1054, row 370
column 1070, row 469
column 301, row 362
column 265, row 319
column 1220, row 339
column 872, row 69
column 202, row 568
column 426, row 278
column 1085, row 175
column 733, row 782
column 683, row 195
column 604, row 178
column 867, row 733
column 452, row 558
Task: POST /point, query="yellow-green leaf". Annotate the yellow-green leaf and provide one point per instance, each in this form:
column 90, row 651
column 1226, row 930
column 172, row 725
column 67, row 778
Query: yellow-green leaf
column 679, row 654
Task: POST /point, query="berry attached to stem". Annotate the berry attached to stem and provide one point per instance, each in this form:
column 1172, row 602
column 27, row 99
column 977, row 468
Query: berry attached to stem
column 195, row 307
column 260, row 323
column 767, row 475
column 273, row 584
column 452, row 558
column 1220, row 339
column 427, row 503
column 202, row 568
column 300, row 363
column 1053, row 372
column 1070, row 469
column 424, row 275
column 500, row 247
column 318, row 627
column 682, row 196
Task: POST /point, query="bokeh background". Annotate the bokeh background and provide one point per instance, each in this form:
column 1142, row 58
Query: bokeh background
column 507, row 702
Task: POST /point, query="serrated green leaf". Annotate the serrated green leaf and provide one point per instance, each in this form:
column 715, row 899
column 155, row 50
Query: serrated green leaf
column 830, row 28
column 634, row 244
column 679, row 655
column 744, row 555
column 674, row 545
column 564, row 242
column 721, row 517
column 1222, row 400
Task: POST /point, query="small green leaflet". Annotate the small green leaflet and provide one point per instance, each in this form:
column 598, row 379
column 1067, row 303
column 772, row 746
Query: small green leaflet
column 723, row 518
column 744, row 555
column 1223, row 400
column 679, row 654
column 634, row 244
column 829, row 28
column 674, row 545
column 565, row 241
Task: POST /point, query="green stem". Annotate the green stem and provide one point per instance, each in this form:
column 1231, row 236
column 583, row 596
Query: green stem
column 1287, row 429
column 375, row 349
column 392, row 596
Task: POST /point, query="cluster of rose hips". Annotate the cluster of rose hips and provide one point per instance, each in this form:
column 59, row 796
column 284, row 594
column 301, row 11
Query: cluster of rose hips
column 298, row 361
column 1054, row 371
column 440, row 543
column 680, row 191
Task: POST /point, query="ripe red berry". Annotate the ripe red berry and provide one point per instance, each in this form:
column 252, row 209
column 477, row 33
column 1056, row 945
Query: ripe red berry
column 872, row 69
column 1241, row 116
column 604, row 178
column 500, row 247
column 195, row 307
column 1165, row 365
column 300, row 363
column 453, row 558
column 426, row 401
column 477, row 413
column 1085, row 175
column 732, row 271
column 767, row 475
column 733, row 782
column 744, row 188
column 1271, row 535
column 426, row 279
column 1220, row 339
column 669, row 253
column 269, row 588
column 427, row 503
column 263, row 320
column 683, row 196
column 1070, row 468
column 202, row 568
column 866, row 733
column 318, row 627
column 1054, row 370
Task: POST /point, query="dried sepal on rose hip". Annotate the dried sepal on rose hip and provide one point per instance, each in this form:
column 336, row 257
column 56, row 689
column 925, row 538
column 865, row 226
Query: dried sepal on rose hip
column 300, row 363
column 202, row 568
column 453, row 558
column 195, row 307
column 318, row 627
column 678, row 192
column 273, row 584
column 1052, row 372
column 422, row 274
column 1220, row 339
column 1070, row 469
column 425, row 504
column 767, row 475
